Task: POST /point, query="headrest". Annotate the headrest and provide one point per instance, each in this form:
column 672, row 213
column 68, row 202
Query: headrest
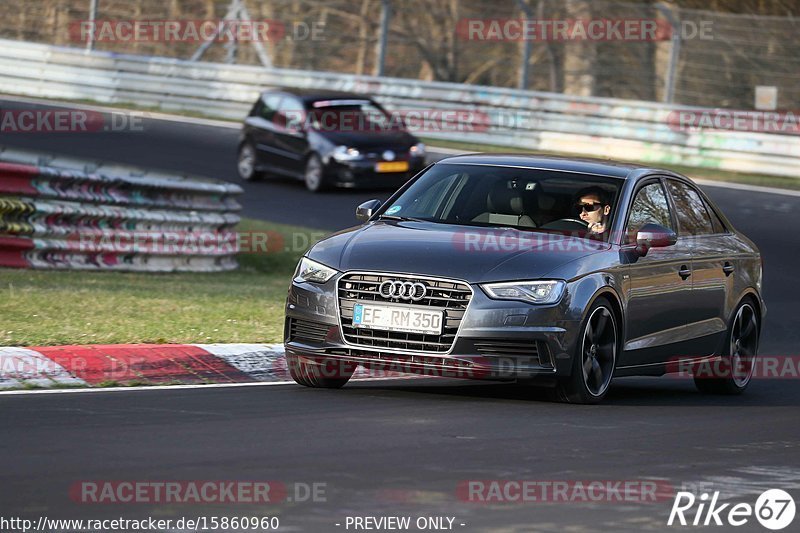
column 505, row 200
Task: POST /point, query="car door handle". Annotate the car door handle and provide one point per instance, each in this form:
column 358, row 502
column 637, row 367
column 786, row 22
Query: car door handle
column 728, row 268
column 684, row 272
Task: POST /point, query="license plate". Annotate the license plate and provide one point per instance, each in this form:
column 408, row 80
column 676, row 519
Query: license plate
column 391, row 166
column 398, row 318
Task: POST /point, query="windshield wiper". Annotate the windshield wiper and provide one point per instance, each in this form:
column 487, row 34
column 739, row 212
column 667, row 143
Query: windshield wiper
column 402, row 219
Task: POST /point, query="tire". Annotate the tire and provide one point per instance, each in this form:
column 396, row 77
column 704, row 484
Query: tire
column 319, row 372
column 314, row 174
column 246, row 163
column 736, row 364
column 595, row 357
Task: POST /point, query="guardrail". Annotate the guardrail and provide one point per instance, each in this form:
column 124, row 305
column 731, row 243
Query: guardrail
column 63, row 213
column 622, row 129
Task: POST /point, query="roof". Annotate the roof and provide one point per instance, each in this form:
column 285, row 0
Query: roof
column 315, row 95
column 599, row 167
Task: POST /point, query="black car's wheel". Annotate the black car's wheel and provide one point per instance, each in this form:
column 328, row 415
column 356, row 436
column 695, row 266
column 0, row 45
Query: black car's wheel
column 246, row 162
column 318, row 372
column 595, row 357
column 314, row 175
column 735, row 369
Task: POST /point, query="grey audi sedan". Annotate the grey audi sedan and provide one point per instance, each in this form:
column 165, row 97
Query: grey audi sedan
column 556, row 272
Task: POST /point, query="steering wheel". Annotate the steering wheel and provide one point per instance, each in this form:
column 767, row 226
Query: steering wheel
column 566, row 224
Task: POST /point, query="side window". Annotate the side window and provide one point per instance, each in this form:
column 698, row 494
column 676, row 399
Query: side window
column 719, row 227
column 291, row 114
column 693, row 219
column 649, row 206
column 268, row 106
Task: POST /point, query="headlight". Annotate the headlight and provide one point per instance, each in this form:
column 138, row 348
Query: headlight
column 418, row 149
column 312, row 271
column 343, row 153
column 535, row 292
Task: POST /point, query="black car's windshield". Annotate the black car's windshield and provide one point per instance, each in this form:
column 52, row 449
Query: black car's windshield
column 351, row 115
column 526, row 199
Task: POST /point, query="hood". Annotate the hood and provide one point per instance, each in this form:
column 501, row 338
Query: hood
column 474, row 254
column 364, row 140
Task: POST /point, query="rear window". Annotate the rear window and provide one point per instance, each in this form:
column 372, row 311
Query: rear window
column 693, row 217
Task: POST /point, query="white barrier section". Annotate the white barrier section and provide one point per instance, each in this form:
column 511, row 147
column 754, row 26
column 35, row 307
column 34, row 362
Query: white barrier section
column 625, row 129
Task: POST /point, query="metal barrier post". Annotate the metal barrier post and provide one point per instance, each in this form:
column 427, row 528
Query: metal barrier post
column 386, row 15
column 92, row 17
column 526, row 48
column 674, row 56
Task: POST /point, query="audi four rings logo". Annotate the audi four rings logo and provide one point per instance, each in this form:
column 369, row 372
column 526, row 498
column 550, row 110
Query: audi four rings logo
column 405, row 290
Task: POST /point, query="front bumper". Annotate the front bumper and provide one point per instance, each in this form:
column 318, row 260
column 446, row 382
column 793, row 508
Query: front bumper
column 502, row 340
column 358, row 174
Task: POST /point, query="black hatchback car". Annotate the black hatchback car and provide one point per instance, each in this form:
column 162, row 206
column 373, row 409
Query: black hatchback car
column 520, row 267
column 327, row 139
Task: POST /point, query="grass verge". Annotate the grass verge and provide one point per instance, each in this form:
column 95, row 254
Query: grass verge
column 48, row 308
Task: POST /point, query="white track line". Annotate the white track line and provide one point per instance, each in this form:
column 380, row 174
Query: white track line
column 235, row 125
column 180, row 387
column 745, row 187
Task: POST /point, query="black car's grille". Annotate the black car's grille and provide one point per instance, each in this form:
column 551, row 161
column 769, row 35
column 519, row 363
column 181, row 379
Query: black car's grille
column 306, row 331
column 400, row 153
column 452, row 297
column 514, row 348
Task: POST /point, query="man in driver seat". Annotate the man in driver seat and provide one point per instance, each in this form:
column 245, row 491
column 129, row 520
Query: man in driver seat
column 593, row 208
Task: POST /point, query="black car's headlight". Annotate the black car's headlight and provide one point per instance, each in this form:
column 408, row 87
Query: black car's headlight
column 535, row 292
column 418, row 150
column 344, row 153
column 308, row 270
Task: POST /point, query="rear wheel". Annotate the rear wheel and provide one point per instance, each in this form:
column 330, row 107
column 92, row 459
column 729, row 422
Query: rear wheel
column 735, row 369
column 246, row 162
column 595, row 357
column 319, row 372
column 313, row 175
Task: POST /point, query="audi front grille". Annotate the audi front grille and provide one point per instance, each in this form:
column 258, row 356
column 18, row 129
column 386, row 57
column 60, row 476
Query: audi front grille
column 449, row 296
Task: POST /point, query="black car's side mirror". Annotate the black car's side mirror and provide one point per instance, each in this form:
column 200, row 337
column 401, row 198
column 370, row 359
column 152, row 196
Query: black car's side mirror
column 654, row 236
column 367, row 209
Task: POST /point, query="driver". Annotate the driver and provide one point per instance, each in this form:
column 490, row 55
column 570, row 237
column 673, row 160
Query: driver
column 593, row 208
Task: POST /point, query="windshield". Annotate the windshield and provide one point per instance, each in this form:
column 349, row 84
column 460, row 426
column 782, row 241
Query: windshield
column 351, row 116
column 525, row 199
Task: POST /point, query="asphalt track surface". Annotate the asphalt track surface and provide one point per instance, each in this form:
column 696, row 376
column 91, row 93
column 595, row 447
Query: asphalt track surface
column 402, row 447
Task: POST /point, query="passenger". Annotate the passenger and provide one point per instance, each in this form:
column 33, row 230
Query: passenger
column 593, row 208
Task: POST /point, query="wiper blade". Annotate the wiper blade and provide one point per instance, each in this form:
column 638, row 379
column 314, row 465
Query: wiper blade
column 402, row 219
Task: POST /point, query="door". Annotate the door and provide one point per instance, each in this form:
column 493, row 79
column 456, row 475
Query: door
column 261, row 130
column 658, row 286
column 291, row 138
column 712, row 279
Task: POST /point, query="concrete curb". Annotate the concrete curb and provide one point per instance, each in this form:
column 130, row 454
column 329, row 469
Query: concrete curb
column 131, row 364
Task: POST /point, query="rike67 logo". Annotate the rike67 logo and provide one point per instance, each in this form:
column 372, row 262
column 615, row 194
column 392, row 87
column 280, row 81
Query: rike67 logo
column 774, row 509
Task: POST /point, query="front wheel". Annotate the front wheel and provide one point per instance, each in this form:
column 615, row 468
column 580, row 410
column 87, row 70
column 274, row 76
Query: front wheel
column 246, row 163
column 314, row 175
column 595, row 357
column 736, row 365
column 319, row 372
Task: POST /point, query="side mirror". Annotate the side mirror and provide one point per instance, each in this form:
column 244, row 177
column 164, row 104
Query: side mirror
column 367, row 209
column 654, row 236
